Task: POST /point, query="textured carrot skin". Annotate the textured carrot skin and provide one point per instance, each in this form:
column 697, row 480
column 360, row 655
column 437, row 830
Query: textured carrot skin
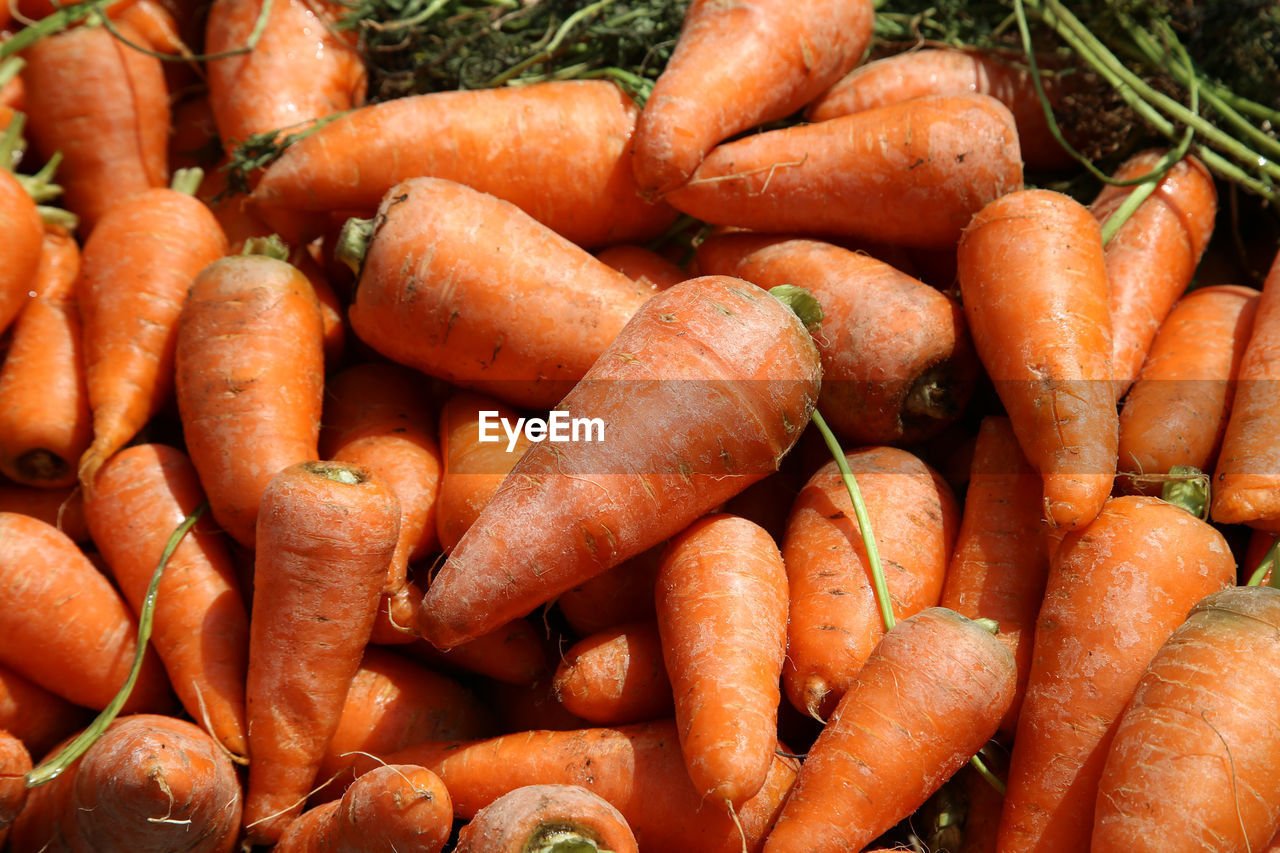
column 1034, row 287
column 1116, row 589
column 737, row 65
column 944, row 157
column 702, row 393
column 324, row 545
column 1195, row 761
column 138, row 265
column 638, row 769
column 34, row 715
column 616, row 676
column 522, row 818
column 249, row 367
column 1000, row 563
column 930, row 695
column 23, row 247
column 1153, row 257
column 721, row 599
column 106, row 108
column 897, row 361
column 560, row 151
column 834, row 620
column 15, row 761
column 44, row 405
column 432, row 296
column 1176, row 412
column 200, row 627
column 85, row 655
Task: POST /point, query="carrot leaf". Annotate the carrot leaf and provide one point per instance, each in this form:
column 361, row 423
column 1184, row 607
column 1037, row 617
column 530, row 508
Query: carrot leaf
column 1187, row 487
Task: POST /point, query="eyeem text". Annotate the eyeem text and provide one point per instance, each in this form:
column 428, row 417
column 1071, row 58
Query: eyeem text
column 558, row 427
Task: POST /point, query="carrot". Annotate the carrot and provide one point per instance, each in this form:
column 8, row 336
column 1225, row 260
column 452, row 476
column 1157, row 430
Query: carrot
column 834, row 621
column 15, row 761
column 897, row 362
column 950, row 71
column 151, row 784
column 535, row 816
column 621, row 594
column 200, row 626
column 722, row 616
column 557, row 150
column 396, row 807
column 643, row 265
column 1176, row 412
column 34, row 715
column 44, row 406
column 23, row 246
column 395, row 622
column 62, row 508
column 105, row 107
column 377, row 416
column 513, row 653
column 1248, row 469
column 1153, row 257
column 1193, row 763
column 1117, row 589
column 1034, row 288
column 527, row 707
column 739, row 65
column 139, row 263
column 944, row 157
column 931, row 693
column 615, row 676
column 701, row 394
column 193, row 142
column 638, row 769
column 430, row 295
column 326, row 535
column 1000, row 564
column 472, row 469
column 249, row 371
column 85, row 653
column 333, row 309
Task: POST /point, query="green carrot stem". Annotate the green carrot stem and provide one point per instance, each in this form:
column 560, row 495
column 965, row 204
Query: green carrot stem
column 187, row 181
column 1268, row 562
column 48, row 25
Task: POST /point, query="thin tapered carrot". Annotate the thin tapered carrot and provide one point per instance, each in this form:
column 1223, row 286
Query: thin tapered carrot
column 1176, row 411
column 621, row 594
column 34, row 715
column 1153, row 257
column 15, row 761
column 643, row 265
column 484, row 307
column 44, row 404
column 1035, row 293
column 721, row 598
column 931, row 693
column 249, row 376
column 1000, row 563
column 547, row 815
column 1195, row 760
column 943, row 157
column 1117, row 589
column 615, row 676
column 200, row 627
column 326, row 535
column 701, row 394
column 834, row 621
column 395, row 623
column 739, row 65
column 560, row 151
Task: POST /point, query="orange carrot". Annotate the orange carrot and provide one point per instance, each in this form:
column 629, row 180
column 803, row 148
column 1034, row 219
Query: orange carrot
column 701, row 394
column 1117, row 589
column 430, row 295
column 395, row 622
column 615, row 676
column 642, row 265
column 739, row 65
column 200, row 627
column 540, row 815
column 527, row 707
column 326, row 535
column 44, row 406
column 1034, row 288
column 931, row 693
column 23, row 247
column 560, row 151
column 943, row 157
column 834, row 621
column 62, row 508
column 15, row 761
column 249, row 370
column 34, row 715
column 513, row 653
column 621, row 594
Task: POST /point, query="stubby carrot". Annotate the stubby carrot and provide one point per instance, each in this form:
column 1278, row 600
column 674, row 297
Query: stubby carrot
column 15, row 761
column 739, row 65
column 543, row 816
column 560, row 151
column 1034, row 287
column 1195, row 757
column 910, row 174
column 615, row 676
column 326, row 535
column 702, row 393
column 1117, row 589
column 34, row 715
column 200, row 627
column 931, row 693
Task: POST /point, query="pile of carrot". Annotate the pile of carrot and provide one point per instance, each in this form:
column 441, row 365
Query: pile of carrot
column 770, row 465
